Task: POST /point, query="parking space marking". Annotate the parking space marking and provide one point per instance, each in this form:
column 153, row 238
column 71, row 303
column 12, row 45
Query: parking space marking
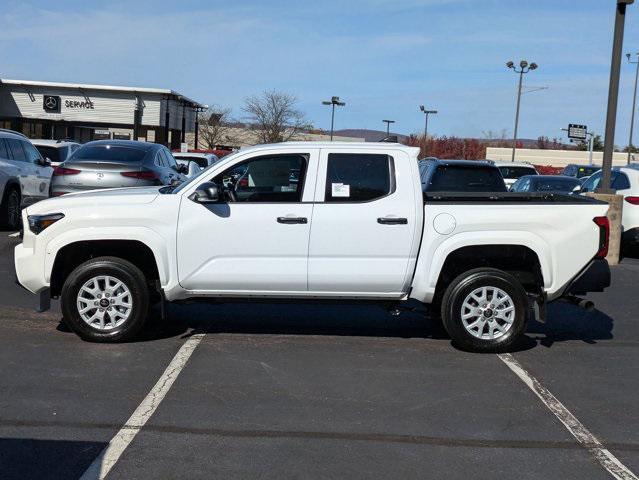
column 602, row 455
column 104, row 462
column 14, row 234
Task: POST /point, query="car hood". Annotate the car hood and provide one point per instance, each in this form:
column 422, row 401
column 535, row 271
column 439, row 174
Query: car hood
column 110, row 196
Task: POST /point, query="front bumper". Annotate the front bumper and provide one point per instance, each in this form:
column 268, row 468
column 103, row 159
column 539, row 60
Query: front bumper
column 595, row 277
column 29, row 269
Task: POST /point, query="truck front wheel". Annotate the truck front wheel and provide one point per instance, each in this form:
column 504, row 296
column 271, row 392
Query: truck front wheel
column 484, row 310
column 105, row 299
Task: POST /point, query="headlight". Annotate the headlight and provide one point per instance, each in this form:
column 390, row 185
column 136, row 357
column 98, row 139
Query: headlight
column 37, row 223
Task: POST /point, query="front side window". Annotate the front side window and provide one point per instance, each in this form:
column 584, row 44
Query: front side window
column 3, row 149
column 169, row 159
column 592, row 183
column 266, row 179
column 33, row 155
column 356, row 177
column 17, row 152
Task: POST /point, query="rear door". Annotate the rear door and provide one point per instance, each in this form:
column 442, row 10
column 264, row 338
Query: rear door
column 26, row 170
column 364, row 221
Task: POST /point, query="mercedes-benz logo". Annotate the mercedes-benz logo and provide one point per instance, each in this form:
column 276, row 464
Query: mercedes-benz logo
column 51, row 103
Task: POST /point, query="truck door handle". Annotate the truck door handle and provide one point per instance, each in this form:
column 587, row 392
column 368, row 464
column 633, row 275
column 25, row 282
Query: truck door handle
column 392, row 221
column 291, row 220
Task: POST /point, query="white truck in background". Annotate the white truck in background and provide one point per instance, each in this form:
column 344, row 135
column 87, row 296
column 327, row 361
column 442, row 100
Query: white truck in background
column 313, row 221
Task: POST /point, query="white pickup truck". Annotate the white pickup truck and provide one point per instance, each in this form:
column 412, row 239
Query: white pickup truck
column 313, row 221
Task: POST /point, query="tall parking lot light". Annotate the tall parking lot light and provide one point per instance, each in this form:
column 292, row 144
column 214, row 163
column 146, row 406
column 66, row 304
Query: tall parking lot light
column 388, row 122
column 426, row 113
column 613, row 96
column 524, row 67
column 634, row 102
column 333, row 101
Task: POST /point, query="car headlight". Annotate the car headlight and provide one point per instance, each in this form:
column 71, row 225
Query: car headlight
column 37, row 223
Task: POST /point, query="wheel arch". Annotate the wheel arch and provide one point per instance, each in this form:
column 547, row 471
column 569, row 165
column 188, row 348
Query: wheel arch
column 63, row 259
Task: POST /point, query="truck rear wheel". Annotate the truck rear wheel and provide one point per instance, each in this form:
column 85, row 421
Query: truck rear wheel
column 106, row 300
column 484, row 310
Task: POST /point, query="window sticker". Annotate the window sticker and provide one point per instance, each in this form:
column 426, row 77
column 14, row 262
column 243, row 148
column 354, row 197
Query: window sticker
column 340, row 190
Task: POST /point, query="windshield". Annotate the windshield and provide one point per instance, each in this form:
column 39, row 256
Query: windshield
column 555, row 184
column 109, row 153
column 199, row 175
column 516, row 172
column 201, row 161
column 457, row 178
column 52, row 153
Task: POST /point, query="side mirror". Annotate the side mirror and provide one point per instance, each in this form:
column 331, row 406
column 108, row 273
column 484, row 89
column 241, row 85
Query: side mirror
column 44, row 162
column 182, row 168
column 208, row 192
column 576, row 190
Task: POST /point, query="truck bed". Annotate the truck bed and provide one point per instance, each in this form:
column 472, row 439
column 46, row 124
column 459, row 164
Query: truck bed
column 508, row 197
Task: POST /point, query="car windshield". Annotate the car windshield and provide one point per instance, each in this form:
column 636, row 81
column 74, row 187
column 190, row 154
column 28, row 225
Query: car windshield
column 555, row 185
column 113, row 153
column 516, row 172
column 184, row 185
column 201, row 161
column 52, row 153
column 458, row 178
column 580, row 171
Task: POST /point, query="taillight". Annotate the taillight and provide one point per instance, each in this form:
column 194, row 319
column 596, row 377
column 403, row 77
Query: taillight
column 632, row 200
column 144, row 175
column 59, row 171
column 604, row 236
column 57, row 194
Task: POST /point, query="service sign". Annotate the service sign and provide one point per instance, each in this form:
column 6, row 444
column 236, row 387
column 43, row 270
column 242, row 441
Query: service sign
column 577, row 132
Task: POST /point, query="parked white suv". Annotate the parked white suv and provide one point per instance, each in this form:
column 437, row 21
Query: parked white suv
column 314, row 221
column 25, row 176
column 625, row 180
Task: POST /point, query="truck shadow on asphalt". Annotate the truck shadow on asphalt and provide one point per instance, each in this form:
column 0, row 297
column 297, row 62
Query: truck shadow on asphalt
column 565, row 323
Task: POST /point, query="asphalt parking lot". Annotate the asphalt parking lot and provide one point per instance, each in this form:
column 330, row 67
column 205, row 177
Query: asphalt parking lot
column 277, row 391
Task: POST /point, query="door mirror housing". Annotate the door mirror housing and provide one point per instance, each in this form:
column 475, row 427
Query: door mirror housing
column 208, row 192
column 577, row 190
column 183, row 168
column 44, row 162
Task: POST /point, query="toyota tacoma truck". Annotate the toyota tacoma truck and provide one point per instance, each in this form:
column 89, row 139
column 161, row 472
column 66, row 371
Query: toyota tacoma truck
column 306, row 221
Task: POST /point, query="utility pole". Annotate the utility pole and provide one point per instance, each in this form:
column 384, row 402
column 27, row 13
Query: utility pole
column 613, row 96
column 634, row 104
column 523, row 68
column 333, row 102
column 388, row 122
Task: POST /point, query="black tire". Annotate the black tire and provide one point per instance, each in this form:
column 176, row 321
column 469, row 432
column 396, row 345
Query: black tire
column 10, row 211
column 120, row 270
column 453, row 301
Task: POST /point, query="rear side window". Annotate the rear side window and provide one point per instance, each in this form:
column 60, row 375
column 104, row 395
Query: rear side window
column 110, row 153
column 462, row 178
column 620, row 181
column 15, row 147
column 353, row 177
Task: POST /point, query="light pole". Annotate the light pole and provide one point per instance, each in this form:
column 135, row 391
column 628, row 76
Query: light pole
column 523, row 68
column 613, row 96
column 634, row 103
column 333, row 101
column 388, row 122
column 426, row 113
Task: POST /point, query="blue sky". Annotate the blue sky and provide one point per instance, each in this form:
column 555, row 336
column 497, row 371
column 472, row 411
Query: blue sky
column 383, row 57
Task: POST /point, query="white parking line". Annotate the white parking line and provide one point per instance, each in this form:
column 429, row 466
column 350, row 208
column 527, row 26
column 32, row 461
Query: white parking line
column 14, row 234
column 110, row 455
column 602, row 455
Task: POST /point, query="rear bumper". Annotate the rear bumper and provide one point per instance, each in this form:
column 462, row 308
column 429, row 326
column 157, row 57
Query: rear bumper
column 595, row 277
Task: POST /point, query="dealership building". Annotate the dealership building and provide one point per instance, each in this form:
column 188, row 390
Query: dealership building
column 82, row 112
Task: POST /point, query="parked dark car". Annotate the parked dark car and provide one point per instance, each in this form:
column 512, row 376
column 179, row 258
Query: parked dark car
column 117, row 163
column 545, row 183
column 579, row 171
column 460, row 176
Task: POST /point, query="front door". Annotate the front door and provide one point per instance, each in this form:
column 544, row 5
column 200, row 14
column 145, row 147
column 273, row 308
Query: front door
column 256, row 240
column 364, row 236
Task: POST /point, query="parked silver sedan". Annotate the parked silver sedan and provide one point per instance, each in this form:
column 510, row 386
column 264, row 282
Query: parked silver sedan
column 117, row 163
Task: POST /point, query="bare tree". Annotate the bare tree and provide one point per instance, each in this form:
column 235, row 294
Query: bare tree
column 274, row 116
column 214, row 128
